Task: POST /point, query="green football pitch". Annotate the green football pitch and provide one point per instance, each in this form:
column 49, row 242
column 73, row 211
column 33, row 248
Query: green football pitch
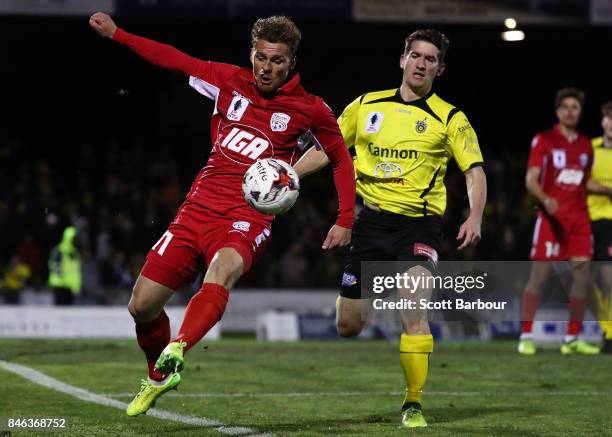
column 344, row 388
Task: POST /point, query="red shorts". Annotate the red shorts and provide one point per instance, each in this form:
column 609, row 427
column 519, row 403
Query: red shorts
column 555, row 240
column 192, row 240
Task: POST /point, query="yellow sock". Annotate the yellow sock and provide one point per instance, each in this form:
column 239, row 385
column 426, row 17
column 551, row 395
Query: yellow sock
column 602, row 310
column 414, row 357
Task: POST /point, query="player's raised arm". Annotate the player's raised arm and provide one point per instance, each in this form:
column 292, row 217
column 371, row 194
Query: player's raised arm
column 103, row 24
column 162, row 55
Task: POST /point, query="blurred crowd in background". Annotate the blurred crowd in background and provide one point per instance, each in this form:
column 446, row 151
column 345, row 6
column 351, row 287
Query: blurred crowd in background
column 121, row 193
column 95, row 138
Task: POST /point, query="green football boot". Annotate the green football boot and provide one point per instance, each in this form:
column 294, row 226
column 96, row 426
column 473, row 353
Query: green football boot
column 149, row 393
column 412, row 417
column 171, row 359
column 527, row 347
column 579, row 347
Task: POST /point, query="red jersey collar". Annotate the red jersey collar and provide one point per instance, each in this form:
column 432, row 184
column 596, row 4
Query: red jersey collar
column 287, row 88
column 573, row 138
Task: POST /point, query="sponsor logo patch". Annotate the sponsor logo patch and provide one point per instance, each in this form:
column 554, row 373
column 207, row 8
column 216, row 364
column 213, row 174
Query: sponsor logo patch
column 241, row 226
column 348, row 280
column 279, row 122
column 244, row 143
column 387, row 170
column 559, row 158
column 373, row 122
column 427, row 251
column 237, row 107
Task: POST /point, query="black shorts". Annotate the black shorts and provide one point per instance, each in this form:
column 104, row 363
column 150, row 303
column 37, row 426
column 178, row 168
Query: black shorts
column 386, row 236
column 602, row 237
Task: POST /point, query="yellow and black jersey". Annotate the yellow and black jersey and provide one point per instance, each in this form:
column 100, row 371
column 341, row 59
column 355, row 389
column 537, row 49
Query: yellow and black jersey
column 600, row 205
column 401, row 150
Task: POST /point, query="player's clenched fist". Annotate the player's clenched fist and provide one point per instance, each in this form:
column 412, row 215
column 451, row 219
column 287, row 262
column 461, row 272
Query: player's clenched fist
column 103, row 24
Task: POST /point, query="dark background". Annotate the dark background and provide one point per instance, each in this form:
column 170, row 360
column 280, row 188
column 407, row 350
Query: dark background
column 94, row 136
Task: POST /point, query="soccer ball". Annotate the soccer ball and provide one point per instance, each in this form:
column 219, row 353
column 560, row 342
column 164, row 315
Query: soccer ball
column 271, row 186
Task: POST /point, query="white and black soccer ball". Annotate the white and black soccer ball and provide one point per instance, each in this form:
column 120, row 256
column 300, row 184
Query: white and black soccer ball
column 271, row 186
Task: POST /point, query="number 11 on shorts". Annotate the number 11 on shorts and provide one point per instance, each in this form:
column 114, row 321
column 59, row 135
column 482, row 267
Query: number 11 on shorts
column 162, row 243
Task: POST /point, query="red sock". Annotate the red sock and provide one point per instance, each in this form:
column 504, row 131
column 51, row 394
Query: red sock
column 577, row 307
column 531, row 302
column 152, row 338
column 204, row 310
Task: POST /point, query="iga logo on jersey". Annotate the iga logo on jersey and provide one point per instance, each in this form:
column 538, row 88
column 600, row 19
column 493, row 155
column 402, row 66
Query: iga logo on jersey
column 237, row 107
column 246, row 146
column 279, row 122
column 570, row 176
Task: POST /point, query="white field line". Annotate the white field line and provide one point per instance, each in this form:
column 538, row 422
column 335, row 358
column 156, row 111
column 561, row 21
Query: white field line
column 46, row 381
column 366, row 393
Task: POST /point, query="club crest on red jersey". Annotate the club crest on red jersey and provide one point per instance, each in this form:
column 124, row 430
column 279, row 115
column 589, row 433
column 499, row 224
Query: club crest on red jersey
column 584, row 160
column 279, row 122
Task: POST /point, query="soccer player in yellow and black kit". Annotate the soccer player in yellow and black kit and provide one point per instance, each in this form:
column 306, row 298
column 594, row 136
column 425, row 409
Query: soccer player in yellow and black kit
column 402, row 140
column 600, row 210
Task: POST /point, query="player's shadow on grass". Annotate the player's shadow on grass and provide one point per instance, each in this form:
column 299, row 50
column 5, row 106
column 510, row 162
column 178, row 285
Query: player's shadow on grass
column 436, row 416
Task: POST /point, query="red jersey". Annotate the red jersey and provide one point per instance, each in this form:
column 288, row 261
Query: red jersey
column 566, row 166
column 247, row 126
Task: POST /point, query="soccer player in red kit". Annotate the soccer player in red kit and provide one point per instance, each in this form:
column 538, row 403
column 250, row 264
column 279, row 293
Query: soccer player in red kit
column 559, row 166
column 259, row 113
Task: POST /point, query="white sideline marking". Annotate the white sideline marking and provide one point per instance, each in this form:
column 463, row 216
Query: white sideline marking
column 46, row 381
column 365, row 393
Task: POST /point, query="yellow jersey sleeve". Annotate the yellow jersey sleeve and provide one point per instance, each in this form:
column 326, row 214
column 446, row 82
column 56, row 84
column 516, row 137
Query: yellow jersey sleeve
column 463, row 142
column 348, row 121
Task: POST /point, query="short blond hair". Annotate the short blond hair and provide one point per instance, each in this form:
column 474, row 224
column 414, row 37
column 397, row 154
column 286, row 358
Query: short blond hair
column 275, row 29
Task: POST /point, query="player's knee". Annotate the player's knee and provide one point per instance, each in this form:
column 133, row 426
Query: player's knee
column 347, row 328
column 416, row 327
column 140, row 309
column 225, row 268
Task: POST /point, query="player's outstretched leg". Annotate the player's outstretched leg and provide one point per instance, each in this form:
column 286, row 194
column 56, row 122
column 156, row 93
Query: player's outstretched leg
column 153, row 334
column 205, row 308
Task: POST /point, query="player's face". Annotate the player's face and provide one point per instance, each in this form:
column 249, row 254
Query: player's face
column 568, row 112
column 421, row 66
column 606, row 124
column 272, row 63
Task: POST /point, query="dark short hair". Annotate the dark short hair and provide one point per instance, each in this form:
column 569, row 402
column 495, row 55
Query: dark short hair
column 606, row 109
column 565, row 93
column 432, row 36
column 277, row 29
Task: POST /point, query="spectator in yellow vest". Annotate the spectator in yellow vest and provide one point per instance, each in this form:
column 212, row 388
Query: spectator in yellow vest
column 65, row 268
